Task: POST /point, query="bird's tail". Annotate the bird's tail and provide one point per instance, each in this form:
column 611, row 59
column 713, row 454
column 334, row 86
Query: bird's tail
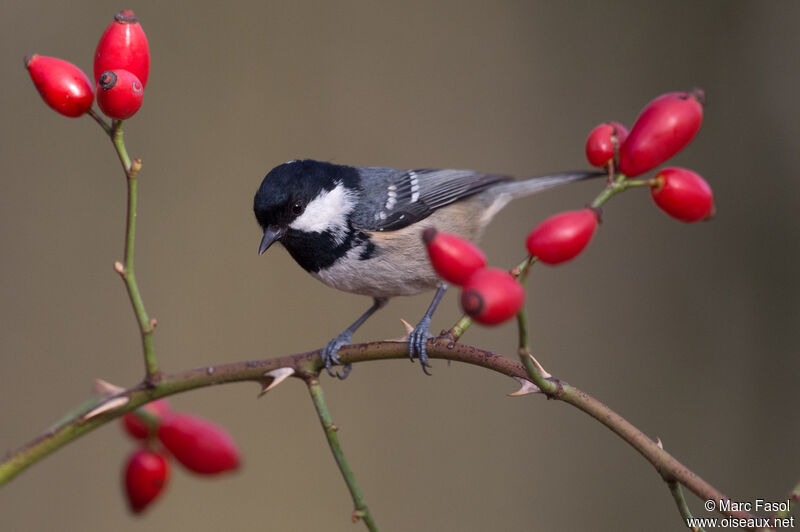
column 527, row 187
column 503, row 193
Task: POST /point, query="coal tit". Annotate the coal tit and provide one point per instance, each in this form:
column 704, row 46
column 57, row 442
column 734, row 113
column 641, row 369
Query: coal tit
column 358, row 229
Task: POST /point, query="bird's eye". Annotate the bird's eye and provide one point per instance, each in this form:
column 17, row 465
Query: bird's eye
column 297, row 207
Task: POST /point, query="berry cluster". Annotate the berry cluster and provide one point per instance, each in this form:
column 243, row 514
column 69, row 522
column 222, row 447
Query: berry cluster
column 489, row 295
column 664, row 127
column 196, row 443
column 121, row 69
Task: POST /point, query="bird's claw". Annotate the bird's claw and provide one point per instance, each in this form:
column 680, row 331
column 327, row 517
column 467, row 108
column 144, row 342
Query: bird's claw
column 417, row 340
column 330, row 356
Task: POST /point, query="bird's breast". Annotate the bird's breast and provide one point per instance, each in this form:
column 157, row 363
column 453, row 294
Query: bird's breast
column 398, row 263
column 398, row 266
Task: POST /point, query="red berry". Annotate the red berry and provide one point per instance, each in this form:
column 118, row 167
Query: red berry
column 198, row 444
column 562, row 236
column 137, row 427
column 453, row 258
column 492, row 296
column 604, row 142
column 664, row 127
column 62, row 85
column 146, row 475
column 683, row 194
column 119, row 94
column 123, row 46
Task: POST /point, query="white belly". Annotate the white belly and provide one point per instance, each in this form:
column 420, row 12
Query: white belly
column 401, row 266
column 382, row 275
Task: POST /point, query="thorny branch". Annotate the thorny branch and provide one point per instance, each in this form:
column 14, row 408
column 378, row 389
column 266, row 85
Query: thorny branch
column 303, row 364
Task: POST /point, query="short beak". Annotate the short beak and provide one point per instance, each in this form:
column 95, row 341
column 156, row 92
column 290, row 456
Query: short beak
column 270, row 236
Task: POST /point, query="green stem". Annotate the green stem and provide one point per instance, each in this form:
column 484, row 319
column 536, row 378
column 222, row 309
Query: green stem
column 522, row 320
column 128, row 272
column 99, row 119
column 620, row 184
column 680, row 501
column 548, row 386
column 459, row 328
column 118, row 139
column 534, row 375
column 361, row 510
column 522, row 326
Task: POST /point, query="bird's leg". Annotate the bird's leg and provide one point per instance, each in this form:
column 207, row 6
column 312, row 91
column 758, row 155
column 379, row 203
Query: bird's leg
column 329, row 353
column 419, row 336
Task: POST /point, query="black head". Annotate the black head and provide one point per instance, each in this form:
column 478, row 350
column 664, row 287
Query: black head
column 288, row 189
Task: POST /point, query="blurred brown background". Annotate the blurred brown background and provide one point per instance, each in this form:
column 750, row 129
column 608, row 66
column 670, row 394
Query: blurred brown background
column 691, row 332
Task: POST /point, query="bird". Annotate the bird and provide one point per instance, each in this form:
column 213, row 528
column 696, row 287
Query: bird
column 358, row 228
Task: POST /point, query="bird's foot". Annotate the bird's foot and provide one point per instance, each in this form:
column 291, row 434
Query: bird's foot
column 330, row 355
column 417, row 340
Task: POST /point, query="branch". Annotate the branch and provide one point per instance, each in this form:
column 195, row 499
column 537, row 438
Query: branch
column 311, row 363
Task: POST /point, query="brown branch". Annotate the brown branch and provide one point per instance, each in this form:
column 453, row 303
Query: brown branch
column 305, row 364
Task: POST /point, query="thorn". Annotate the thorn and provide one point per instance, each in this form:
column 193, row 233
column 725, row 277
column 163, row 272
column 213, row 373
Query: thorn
column 119, row 268
column 106, row 406
column 409, row 329
column 277, row 376
column 543, row 371
column 526, row 388
column 106, row 389
column 659, row 443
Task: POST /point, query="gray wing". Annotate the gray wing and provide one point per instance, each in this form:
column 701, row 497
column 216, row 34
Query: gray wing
column 392, row 199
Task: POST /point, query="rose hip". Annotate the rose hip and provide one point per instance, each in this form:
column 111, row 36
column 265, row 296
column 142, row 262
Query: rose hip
column 492, row 296
column 200, row 445
column 453, row 257
column 119, row 94
column 603, row 143
column 124, row 46
column 664, row 127
column 62, row 85
column 146, row 474
column 563, row 236
column 683, row 194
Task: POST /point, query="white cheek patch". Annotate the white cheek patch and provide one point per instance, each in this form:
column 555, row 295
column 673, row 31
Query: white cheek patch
column 327, row 212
